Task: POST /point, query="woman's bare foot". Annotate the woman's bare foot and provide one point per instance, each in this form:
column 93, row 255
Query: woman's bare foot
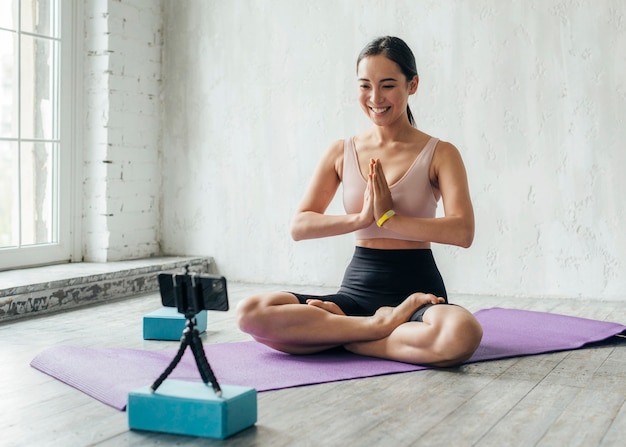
column 426, row 298
column 328, row 306
column 389, row 318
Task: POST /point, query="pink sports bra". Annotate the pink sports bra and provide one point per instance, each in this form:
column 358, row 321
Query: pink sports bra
column 413, row 195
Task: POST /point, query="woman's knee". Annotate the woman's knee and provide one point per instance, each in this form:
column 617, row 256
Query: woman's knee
column 469, row 335
column 250, row 312
column 245, row 310
column 459, row 336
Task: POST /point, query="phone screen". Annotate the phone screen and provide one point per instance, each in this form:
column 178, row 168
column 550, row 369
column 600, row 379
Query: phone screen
column 210, row 291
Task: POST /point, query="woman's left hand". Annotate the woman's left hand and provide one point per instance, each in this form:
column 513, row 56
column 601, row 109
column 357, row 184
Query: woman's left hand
column 382, row 195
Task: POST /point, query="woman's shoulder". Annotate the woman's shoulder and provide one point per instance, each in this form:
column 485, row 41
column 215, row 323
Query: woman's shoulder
column 335, row 149
column 333, row 156
column 446, row 149
column 446, row 156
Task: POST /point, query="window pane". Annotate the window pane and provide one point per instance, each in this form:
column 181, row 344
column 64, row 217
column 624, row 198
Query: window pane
column 9, row 211
column 30, row 145
column 8, row 13
column 38, row 185
column 8, row 84
column 37, row 17
column 38, row 71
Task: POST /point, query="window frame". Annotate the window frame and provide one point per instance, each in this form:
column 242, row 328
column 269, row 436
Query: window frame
column 68, row 194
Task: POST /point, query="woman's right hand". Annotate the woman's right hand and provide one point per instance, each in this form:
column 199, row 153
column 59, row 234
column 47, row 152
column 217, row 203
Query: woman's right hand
column 383, row 201
column 366, row 216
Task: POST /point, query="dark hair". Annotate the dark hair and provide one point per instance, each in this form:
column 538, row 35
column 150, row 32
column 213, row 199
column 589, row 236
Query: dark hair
column 396, row 50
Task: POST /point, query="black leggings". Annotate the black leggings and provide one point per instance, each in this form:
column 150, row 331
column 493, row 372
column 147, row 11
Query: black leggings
column 376, row 278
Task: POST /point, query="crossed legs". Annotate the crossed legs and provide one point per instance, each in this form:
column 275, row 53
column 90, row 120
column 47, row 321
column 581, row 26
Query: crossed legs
column 448, row 335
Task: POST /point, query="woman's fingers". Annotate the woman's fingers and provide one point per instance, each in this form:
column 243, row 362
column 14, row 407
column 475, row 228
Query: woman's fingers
column 380, row 174
column 382, row 195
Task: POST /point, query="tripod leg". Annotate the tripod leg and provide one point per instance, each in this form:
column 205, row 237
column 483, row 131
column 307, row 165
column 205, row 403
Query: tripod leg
column 181, row 350
column 203, row 364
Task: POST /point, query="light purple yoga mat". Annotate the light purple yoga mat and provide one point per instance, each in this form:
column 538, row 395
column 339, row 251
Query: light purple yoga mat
column 108, row 374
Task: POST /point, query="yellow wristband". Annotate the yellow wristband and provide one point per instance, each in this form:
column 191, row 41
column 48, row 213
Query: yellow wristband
column 385, row 217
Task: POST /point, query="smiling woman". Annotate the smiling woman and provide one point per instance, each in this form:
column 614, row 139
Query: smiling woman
column 392, row 301
column 396, row 51
column 379, row 95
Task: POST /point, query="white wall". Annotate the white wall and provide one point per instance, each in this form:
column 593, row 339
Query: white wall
column 532, row 92
column 122, row 129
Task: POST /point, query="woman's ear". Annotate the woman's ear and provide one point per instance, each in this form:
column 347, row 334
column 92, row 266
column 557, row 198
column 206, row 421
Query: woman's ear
column 413, row 84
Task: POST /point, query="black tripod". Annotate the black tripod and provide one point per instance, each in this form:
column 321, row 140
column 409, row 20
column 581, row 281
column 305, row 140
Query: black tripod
column 191, row 338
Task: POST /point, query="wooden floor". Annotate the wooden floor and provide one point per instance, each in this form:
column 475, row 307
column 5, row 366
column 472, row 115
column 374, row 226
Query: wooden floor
column 572, row 398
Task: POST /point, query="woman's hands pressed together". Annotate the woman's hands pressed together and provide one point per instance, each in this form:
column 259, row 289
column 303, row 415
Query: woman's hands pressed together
column 366, row 215
column 383, row 201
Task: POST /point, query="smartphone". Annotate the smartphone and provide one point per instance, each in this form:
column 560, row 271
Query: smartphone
column 193, row 292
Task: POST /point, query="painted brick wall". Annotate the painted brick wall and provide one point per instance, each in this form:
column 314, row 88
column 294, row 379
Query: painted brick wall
column 532, row 92
column 122, row 76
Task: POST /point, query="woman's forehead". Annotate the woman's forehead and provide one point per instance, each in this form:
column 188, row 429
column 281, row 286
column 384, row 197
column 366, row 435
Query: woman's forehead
column 378, row 67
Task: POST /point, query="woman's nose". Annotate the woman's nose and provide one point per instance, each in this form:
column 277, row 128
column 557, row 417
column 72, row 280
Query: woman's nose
column 377, row 96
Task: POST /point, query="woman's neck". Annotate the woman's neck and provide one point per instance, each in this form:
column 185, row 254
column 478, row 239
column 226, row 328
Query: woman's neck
column 384, row 134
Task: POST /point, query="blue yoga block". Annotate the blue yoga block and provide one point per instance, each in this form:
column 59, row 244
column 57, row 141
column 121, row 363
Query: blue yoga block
column 193, row 409
column 167, row 323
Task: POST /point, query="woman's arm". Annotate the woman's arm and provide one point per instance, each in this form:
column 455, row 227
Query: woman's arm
column 447, row 173
column 310, row 221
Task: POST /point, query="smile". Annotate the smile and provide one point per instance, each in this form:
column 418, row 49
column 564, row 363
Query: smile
column 379, row 109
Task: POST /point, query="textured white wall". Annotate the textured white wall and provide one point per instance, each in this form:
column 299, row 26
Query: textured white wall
column 533, row 94
column 122, row 129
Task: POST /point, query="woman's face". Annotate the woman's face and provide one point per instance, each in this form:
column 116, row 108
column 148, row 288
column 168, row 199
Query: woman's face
column 383, row 89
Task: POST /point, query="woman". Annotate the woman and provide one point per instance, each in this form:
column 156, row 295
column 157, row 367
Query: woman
column 392, row 302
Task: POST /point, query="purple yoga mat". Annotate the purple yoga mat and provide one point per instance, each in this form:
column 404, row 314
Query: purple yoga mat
column 108, row 374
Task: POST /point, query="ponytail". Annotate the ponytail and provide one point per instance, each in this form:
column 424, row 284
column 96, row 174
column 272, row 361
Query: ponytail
column 411, row 119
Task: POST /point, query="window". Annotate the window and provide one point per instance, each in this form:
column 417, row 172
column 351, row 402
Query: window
column 35, row 149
